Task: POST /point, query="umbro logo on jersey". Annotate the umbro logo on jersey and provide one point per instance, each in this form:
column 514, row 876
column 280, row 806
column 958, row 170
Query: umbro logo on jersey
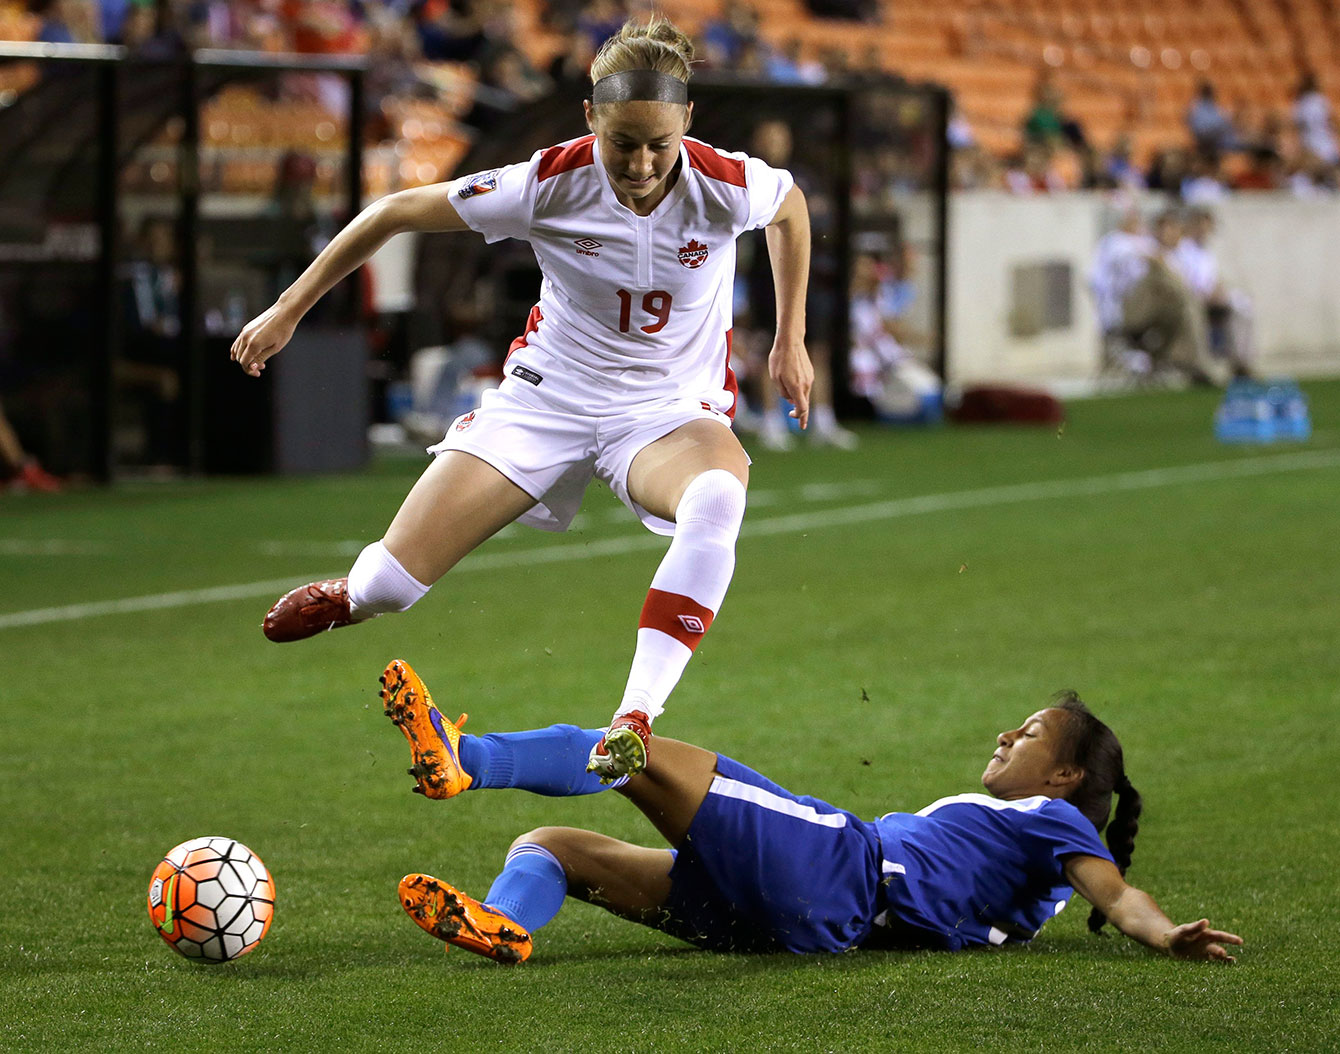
column 479, row 183
column 692, row 623
column 587, row 246
column 694, row 254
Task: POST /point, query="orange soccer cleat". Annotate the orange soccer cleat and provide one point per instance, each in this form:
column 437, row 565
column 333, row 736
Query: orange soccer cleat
column 451, row 916
column 623, row 750
column 433, row 740
column 308, row 610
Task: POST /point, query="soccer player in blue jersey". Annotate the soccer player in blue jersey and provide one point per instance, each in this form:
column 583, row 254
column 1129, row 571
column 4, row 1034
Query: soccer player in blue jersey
column 754, row 868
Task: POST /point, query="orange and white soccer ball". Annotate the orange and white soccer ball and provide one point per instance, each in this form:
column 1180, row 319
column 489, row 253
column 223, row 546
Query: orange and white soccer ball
column 211, row 899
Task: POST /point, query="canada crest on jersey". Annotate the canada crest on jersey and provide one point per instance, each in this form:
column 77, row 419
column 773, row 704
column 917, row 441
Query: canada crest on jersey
column 694, row 254
column 479, row 183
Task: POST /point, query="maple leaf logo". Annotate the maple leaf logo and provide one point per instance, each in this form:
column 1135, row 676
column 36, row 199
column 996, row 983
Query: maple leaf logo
column 694, row 254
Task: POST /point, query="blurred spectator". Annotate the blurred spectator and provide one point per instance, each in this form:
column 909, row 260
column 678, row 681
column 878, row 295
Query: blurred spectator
column 148, row 31
column 1204, row 183
column 1228, row 312
column 1210, row 126
column 148, row 372
column 774, row 142
column 1312, row 118
column 1312, row 177
column 883, row 369
column 599, row 20
column 1120, row 170
column 68, row 22
column 1046, row 122
column 1163, row 318
column 1033, row 171
column 788, row 65
column 450, row 31
column 726, row 36
column 1120, row 260
column 1168, row 171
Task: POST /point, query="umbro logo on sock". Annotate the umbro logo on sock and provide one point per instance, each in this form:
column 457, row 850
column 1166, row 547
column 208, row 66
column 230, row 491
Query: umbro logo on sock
column 692, row 623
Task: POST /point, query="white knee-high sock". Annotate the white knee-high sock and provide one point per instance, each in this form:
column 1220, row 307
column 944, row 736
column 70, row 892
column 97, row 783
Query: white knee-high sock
column 378, row 584
column 688, row 588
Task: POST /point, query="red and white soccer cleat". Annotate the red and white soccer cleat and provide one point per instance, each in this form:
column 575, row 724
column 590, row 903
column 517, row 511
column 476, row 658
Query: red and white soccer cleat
column 624, row 749
column 452, row 916
column 308, row 610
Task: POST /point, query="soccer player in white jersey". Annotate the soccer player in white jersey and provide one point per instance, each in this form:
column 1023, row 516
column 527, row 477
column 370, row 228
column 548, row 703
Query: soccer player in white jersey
column 622, row 373
column 752, row 867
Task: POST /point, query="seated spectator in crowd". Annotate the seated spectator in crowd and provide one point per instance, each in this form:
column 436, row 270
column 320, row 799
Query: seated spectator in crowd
column 884, row 370
column 788, row 65
column 68, row 22
column 1168, row 170
column 1120, row 260
column 1209, row 123
column 147, row 30
column 1311, row 177
column 599, row 20
column 1312, row 118
column 1033, row 171
column 725, row 36
column 1204, row 184
column 1228, row 312
column 450, row 31
column 1152, row 321
column 1119, row 168
column 1047, row 123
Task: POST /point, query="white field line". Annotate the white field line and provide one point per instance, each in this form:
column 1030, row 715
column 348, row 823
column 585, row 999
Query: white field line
column 896, row 508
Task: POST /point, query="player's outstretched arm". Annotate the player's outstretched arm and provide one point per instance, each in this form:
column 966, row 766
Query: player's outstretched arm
column 1134, row 912
column 788, row 238
column 418, row 209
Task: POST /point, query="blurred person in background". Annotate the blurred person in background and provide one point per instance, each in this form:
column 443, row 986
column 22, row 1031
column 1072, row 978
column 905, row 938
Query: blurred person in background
column 1033, row 171
column 1264, row 171
column 884, row 369
column 1164, row 317
column 773, row 142
column 1204, row 183
column 1210, row 125
column 1312, row 119
column 1228, row 312
column 68, row 22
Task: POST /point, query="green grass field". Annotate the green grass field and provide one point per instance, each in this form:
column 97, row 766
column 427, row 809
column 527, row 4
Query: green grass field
column 892, row 610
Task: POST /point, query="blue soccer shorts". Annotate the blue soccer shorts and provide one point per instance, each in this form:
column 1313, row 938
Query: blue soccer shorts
column 764, row 870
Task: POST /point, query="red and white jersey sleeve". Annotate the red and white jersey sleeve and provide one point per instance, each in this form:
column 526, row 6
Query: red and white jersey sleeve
column 632, row 308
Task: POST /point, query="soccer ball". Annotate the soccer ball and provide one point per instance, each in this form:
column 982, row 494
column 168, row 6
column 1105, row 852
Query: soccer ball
column 212, row 899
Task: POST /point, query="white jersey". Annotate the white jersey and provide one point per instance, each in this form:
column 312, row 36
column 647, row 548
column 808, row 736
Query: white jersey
column 633, row 309
column 1197, row 266
column 1120, row 260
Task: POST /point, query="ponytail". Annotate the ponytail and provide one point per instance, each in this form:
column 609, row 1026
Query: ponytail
column 1121, row 836
column 1094, row 747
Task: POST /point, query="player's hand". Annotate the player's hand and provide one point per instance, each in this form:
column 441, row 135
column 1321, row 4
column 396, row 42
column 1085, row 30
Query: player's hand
column 1195, row 940
column 790, row 369
column 262, row 337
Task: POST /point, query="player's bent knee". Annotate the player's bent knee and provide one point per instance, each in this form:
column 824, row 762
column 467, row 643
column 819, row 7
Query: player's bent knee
column 713, row 499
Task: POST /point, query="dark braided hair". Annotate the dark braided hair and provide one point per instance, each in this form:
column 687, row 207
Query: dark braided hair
column 1094, row 747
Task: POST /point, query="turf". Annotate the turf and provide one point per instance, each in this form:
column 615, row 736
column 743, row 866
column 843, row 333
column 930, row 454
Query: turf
column 870, row 648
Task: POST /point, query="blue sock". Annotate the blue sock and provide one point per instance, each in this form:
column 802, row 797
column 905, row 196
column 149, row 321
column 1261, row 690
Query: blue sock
column 549, row 761
column 531, row 888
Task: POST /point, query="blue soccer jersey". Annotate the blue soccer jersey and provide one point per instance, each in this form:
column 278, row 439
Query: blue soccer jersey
column 972, row 869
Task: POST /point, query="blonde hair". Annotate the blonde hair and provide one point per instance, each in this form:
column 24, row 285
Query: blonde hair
column 657, row 45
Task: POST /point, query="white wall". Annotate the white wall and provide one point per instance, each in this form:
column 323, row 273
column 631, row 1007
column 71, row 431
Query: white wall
column 1283, row 252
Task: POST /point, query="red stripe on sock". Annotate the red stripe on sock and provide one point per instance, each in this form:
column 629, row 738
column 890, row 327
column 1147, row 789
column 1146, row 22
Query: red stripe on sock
column 676, row 616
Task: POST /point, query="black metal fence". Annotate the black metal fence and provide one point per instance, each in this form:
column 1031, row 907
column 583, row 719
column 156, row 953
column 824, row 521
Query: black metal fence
column 127, row 257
